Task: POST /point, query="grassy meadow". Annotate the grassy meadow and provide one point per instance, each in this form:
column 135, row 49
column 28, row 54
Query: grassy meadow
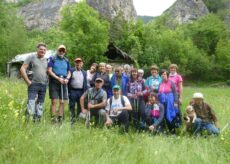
column 47, row 143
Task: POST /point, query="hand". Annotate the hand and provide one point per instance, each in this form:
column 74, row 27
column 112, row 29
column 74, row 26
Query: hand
column 151, row 128
column 61, row 80
column 118, row 109
column 188, row 120
column 175, row 105
column 66, row 81
column 90, row 106
column 139, row 94
column 134, row 96
column 108, row 122
column 84, row 110
column 114, row 111
column 29, row 83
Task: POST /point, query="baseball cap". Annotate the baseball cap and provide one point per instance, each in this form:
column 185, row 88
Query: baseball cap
column 99, row 80
column 61, row 47
column 77, row 59
column 116, row 87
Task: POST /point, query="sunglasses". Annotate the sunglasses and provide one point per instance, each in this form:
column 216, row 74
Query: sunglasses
column 61, row 50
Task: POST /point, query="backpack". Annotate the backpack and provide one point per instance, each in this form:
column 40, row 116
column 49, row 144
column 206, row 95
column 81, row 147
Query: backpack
column 111, row 101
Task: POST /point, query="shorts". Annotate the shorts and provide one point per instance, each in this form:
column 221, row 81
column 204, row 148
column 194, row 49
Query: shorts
column 58, row 90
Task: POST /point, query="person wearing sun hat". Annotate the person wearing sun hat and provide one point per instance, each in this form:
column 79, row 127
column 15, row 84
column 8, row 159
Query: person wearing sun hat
column 77, row 86
column 117, row 109
column 206, row 118
column 59, row 73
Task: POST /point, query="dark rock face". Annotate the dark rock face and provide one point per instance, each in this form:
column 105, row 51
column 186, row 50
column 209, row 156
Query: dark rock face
column 186, row 11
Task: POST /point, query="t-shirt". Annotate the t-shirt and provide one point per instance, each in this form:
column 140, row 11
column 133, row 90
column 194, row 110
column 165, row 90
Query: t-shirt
column 176, row 79
column 60, row 66
column 116, row 103
column 77, row 80
column 39, row 68
column 165, row 87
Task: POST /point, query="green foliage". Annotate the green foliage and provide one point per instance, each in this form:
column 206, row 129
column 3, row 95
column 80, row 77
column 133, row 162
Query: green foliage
column 127, row 35
column 146, row 19
column 223, row 56
column 167, row 46
column 86, row 35
column 12, row 33
column 206, row 32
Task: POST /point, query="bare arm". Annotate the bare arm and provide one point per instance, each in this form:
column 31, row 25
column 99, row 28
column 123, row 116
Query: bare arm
column 52, row 74
column 126, row 107
column 24, row 75
column 100, row 105
column 82, row 103
column 180, row 91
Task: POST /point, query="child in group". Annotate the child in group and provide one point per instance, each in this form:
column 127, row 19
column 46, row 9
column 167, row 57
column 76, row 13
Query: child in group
column 154, row 114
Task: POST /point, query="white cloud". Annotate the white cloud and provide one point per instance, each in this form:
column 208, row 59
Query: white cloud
column 152, row 7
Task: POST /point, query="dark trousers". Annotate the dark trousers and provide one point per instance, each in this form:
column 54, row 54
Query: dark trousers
column 123, row 119
column 74, row 97
column 137, row 114
column 149, row 120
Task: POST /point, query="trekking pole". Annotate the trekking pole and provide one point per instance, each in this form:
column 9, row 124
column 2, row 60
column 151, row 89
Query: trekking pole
column 62, row 98
column 87, row 122
column 67, row 93
column 225, row 127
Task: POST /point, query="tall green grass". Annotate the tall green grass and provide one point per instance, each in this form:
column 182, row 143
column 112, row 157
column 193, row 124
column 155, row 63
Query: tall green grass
column 47, row 143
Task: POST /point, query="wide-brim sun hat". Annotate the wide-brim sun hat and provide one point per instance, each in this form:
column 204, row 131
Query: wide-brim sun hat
column 198, row 95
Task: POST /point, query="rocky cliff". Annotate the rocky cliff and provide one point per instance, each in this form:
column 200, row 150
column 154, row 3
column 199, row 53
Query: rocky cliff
column 111, row 8
column 186, row 11
column 45, row 13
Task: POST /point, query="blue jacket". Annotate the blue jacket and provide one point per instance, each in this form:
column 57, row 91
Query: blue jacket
column 124, row 81
column 84, row 76
column 150, row 81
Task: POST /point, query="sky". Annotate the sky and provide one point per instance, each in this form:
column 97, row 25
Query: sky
column 152, row 7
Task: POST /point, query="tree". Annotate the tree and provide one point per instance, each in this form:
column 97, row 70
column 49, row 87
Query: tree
column 12, row 33
column 223, row 57
column 206, row 32
column 85, row 33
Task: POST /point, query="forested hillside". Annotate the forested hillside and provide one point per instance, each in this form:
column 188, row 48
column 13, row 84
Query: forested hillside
column 200, row 48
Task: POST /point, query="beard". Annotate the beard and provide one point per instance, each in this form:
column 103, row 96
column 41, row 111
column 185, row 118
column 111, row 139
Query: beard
column 61, row 56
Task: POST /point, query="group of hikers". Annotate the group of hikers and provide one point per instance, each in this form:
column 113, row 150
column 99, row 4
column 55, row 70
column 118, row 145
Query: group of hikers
column 111, row 96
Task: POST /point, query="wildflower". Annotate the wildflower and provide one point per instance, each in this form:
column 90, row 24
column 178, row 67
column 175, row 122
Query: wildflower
column 11, row 105
column 222, row 137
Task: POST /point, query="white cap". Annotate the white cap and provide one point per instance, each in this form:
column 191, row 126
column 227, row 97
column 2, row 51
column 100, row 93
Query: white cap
column 198, row 95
